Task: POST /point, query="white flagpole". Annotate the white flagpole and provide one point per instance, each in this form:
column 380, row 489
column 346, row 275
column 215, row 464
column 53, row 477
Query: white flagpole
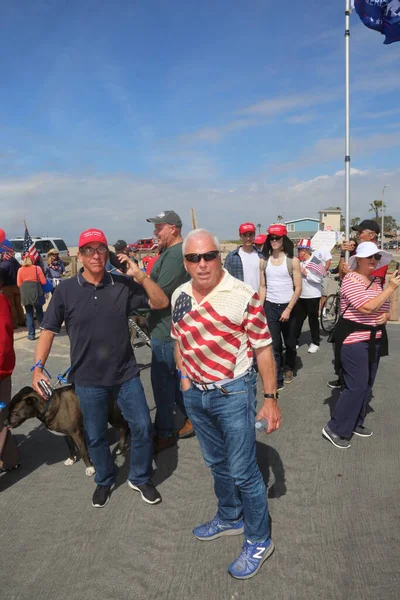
column 347, row 122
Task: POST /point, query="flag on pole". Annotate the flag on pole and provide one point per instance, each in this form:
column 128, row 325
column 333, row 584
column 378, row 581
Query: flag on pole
column 382, row 16
column 29, row 248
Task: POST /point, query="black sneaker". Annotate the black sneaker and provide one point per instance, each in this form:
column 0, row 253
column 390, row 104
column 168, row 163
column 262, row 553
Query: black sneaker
column 288, row 377
column 337, row 384
column 279, row 387
column 362, row 431
column 148, row 492
column 102, row 495
column 335, row 439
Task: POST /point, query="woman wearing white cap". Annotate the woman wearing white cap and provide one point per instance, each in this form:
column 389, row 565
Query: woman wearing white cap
column 360, row 340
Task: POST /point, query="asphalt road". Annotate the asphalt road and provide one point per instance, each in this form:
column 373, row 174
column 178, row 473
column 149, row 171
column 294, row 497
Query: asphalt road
column 335, row 513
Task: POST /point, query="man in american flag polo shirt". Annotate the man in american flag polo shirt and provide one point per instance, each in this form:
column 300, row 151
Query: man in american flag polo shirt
column 217, row 321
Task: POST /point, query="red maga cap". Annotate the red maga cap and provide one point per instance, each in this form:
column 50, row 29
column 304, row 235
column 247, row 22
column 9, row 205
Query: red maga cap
column 277, row 229
column 92, row 235
column 247, row 228
column 260, row 239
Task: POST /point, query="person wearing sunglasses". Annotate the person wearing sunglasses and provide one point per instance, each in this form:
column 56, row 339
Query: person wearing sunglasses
column 95, row 306
column 216, row 319
column 360, row 341
column 244, row 262
column 280, row 289
column 169, row 273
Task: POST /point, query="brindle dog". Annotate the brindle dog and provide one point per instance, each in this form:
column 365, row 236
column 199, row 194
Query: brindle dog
column 63, row 416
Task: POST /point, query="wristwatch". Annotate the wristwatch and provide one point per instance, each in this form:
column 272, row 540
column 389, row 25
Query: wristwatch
column 272, row 396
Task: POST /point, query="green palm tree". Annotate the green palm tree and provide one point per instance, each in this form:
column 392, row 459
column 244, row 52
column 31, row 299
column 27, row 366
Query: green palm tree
column 259, row 227
column 280, row 218
column 375, row 206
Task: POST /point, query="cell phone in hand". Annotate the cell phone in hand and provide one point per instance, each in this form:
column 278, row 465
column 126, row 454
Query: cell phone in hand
column 46, row 388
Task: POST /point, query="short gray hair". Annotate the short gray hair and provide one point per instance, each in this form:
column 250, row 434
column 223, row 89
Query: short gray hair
column 199, row 233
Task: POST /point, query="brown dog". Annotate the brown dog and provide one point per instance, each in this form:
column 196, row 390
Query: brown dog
column 63, row 416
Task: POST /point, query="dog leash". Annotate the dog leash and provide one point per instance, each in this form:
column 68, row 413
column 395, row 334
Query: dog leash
column 48, row 389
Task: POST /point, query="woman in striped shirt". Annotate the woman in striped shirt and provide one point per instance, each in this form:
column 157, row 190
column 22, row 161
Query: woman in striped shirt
column 360, row 340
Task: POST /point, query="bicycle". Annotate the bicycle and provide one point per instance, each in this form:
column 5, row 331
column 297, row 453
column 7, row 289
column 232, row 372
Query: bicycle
column 330, row 311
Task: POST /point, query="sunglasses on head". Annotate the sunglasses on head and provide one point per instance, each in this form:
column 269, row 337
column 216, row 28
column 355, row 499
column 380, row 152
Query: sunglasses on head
column 275, row 238
column 375, row 256
column 208, row 256
column 89, row 251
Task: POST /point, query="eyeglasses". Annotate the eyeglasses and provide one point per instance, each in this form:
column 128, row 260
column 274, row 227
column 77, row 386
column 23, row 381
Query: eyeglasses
column 89, row 251
column 208, row 256
column 275, row 238
column 375, row 256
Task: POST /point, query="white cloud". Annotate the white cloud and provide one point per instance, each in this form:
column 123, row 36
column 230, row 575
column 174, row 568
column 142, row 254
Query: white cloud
column 65, row 205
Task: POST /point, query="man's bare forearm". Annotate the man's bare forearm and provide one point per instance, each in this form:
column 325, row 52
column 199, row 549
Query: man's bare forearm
column 266, row 368
column 43, row 346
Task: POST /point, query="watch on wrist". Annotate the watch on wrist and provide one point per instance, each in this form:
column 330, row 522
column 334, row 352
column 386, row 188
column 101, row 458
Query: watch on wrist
column 272, row 396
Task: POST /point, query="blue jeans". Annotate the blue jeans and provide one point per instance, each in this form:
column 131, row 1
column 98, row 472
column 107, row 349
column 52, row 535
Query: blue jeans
column 165, row 383
column 132, row 402
column 224, row 425
column 29, row 317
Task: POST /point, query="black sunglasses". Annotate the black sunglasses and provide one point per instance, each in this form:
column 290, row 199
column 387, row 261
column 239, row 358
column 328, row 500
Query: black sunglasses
column 275, row 238
column 375, row 256
column 208, row 256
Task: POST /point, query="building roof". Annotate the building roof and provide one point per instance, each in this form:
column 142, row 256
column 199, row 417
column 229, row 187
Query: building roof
column 302, row 219
column 331, row 210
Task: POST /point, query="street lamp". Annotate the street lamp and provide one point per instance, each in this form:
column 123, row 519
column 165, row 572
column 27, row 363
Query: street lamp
column 383, row 213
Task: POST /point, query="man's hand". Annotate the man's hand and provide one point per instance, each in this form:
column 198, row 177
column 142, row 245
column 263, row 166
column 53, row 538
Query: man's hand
column 132, row 268
column 285, row 316
column 185, row 384
column 346, row 246
column 270, row 411
column 38, row 374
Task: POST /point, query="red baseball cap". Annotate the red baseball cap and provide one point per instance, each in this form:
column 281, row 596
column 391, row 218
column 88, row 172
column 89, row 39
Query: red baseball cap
column 260, row 239
column 247, row 228
column 277, row 229
column 92, row 235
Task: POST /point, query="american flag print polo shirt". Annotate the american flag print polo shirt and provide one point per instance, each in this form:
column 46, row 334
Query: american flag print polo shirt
column 216, row 337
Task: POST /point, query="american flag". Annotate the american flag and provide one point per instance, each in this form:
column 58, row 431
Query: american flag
column 29, row 248
column 316, row 265
column 211, row 343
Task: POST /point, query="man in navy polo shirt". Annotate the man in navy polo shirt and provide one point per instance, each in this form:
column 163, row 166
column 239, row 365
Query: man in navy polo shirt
column 95, row 306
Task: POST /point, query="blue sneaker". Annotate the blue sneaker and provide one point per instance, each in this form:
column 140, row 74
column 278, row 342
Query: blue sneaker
column 250, row 559
column 216, row 528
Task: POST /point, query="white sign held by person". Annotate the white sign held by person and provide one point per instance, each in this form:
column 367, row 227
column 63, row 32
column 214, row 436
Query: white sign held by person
column 325, row 239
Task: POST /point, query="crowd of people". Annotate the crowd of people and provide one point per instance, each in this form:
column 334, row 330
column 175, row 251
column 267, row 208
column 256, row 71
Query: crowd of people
column 213, row 326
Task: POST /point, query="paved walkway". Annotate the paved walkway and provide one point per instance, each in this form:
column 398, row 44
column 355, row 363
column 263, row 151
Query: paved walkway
column 335, row 513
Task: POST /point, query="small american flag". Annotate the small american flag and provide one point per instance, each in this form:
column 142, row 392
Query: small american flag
column 317, row 265
column 29, row 248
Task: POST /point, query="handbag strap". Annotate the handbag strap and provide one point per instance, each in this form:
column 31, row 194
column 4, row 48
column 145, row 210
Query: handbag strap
column 373, row 279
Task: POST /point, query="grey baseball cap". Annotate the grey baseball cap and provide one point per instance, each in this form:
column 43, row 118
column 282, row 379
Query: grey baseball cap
column 166, row 216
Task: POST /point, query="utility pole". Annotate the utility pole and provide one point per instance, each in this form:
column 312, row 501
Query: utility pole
column 383, row 214
column 193, row 218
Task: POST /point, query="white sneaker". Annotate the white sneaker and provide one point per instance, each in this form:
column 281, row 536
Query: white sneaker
column 297, row 346
column 313, row 348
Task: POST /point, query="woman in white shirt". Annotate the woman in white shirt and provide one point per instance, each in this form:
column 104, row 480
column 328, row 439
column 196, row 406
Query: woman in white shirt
column 312, row 272
column 280, row 288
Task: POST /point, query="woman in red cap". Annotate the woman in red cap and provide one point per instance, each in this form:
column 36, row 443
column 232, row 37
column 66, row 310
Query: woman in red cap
column 280, row 288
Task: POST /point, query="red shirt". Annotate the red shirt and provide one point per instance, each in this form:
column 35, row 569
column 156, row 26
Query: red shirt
column 7, row 356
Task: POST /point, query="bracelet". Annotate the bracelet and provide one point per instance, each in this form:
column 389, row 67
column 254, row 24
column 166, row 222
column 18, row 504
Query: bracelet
column 144, row 276
column 40, row 365
column 182, row 376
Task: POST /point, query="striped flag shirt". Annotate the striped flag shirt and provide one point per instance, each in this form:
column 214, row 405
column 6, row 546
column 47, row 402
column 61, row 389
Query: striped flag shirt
column 216, row 337
column 354, row 293
column 29, row 248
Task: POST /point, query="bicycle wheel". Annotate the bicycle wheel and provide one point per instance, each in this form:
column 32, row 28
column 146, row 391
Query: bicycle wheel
column 330, row 312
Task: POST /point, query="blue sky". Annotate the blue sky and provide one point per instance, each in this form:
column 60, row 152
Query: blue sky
column 112, row 112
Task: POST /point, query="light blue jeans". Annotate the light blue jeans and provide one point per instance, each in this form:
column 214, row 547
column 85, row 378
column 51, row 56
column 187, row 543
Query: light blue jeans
column 224, row 426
